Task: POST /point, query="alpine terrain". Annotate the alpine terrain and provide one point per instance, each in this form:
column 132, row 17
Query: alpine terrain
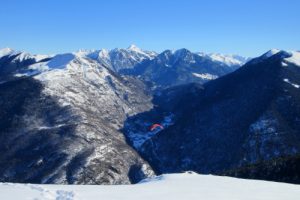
column 119, row 116
column 248, row 116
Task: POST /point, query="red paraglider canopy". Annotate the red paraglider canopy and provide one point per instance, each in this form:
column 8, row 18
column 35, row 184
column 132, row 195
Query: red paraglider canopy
column 154, row 126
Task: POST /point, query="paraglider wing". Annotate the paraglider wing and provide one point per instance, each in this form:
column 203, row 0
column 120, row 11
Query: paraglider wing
column 154, row 126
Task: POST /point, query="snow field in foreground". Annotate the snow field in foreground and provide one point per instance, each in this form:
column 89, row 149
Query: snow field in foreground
column 170, row 186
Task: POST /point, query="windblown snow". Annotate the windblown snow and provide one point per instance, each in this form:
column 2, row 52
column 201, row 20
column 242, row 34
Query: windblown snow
column 171, row 186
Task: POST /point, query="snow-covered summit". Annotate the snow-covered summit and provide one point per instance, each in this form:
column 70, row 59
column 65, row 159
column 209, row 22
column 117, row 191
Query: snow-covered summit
column 271, row 52
column 6, row 51
column 294, row 58
column 287, row 56
column 20, row 56
column 230, row 60
column 133, row 47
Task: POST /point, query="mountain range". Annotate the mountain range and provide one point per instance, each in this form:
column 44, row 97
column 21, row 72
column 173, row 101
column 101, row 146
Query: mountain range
column 84, row 117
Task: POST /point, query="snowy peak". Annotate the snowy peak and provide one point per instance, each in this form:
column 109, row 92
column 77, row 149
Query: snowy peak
column 294, row 58
column 229, row 60
column 20, row 56
column 134, row 48
column 287, row 57
column 104, row 53
column 118, row 58
column 271, row 53
column 183, row 53
column 6, row 51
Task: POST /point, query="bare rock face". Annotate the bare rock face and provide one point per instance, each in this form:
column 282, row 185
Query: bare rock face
column 60, row 121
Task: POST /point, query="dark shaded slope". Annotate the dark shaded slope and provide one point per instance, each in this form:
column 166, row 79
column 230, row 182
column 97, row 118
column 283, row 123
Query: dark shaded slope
column 31, row 153
column 218, row 127
column 282, row 169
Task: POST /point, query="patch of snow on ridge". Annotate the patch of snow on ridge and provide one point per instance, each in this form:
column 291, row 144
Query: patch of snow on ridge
column 21, row 56
column 293, row 84
column 6, row 51
column 271, row 53
column 190, row 186
column 228, row 59
column 294, row 59
column 57, row 62
column 206, row 76
column 284, row 64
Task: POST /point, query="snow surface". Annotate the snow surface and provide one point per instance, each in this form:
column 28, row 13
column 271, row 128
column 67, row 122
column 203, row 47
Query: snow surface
column 294, row 59
column 118, row 58
column 271, row 53
column 21, row 56
column 230, row 60
column 6, row 51
column 293, row 84
column 206, row 76
column 171, row 186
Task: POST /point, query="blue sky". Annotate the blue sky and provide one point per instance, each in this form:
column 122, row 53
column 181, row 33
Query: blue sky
column 226, row 26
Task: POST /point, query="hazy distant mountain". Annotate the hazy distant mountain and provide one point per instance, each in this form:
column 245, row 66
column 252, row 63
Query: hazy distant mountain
column 118, row 59
column 171, row 68
column 168, row 68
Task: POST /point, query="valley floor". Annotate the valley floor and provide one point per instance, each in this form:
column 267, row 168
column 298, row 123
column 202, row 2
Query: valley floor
column 172, row 186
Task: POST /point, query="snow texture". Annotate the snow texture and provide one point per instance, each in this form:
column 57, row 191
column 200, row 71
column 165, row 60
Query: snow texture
column 295, row 58
column 21, row 56
column 271, row 53
column 171, row 186
column 230, row 60
column 206, row 76
column 293, row 84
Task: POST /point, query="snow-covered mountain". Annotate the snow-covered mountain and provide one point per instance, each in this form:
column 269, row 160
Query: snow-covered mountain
column 60, row 121
column 168, row 68
column 163, row 70
column 245, row 117
column 171, row 68
column 19, row 56
column 230, row 60
column 13, row 62
column 170, row 186
column 64, row 118
column 118, row 59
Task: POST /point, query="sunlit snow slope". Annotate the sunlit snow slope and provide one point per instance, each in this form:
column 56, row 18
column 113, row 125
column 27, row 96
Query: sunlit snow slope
column 174, row 186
